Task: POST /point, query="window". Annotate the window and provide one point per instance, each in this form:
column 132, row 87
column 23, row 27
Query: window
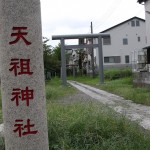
column 139, row 39
column 112, row 59
column 106, row 59
column 133, row 23
column 137, row 23
column 106, row 41
column 127, row 59
column 125, row 41
column 117, row 59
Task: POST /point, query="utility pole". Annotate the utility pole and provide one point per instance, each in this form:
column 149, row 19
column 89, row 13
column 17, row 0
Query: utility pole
column 92, row 54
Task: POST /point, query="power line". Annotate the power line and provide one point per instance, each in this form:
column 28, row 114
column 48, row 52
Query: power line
column 114, row 6
column 111, row 10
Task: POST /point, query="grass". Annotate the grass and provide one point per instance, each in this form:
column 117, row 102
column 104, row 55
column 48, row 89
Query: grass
column 92, row 127
column 112, row 74
column 55, row 90
column 125, row 88
column 2, row 146
column 1, row 120
column 88, row 126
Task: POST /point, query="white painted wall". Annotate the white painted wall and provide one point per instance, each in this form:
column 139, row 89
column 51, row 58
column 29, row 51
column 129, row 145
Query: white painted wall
column 147, row 16
column 117, row 48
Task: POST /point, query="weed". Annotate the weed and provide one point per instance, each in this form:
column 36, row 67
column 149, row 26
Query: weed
column 92, row 127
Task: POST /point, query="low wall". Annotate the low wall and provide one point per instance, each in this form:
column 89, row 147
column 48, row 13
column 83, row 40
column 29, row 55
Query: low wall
column 117, row 66
column 141, row 79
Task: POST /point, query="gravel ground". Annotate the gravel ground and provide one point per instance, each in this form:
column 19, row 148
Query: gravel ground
column 135, row 112
column 78, row 97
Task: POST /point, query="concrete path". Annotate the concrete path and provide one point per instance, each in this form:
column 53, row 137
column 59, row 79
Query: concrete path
column 135, row 112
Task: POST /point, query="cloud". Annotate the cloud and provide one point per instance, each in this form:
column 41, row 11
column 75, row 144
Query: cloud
column 74, row 16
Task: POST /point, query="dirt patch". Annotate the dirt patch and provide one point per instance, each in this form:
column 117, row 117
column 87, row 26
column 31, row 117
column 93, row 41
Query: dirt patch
column 78, row 97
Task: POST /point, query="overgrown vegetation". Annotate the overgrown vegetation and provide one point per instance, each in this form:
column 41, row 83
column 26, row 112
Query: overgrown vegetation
column 92, row 127
column 89, row 126
column 52, row 58
column 0, row 108
column 56, row 91
column 2, row 146
column 113, row 74
column 124, row 87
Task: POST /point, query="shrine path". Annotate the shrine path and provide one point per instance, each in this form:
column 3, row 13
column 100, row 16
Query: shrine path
column 133, row 111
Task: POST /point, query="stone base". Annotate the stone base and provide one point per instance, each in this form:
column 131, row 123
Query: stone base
column 141, row 79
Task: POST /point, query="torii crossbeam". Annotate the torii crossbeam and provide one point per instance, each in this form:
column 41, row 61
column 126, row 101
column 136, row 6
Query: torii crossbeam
column 64, row 47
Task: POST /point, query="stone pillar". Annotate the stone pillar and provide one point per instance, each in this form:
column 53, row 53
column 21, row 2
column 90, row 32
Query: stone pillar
column 22, row 77
column 63, row 63
column 101, row 66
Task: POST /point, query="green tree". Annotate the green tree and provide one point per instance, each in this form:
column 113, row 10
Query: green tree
column 52, row 57
column 47, row 53
column 57, row 58
column 57, row 53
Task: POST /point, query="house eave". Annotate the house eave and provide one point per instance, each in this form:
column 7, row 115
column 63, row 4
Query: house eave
column 147, row 47
column 122, row 23
column 141, row 1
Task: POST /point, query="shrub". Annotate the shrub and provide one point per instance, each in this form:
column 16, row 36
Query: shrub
column 117, row 73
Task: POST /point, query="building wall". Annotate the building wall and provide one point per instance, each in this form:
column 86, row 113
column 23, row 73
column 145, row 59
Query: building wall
column 147, row 16
column 116, row 48
column 142, row 78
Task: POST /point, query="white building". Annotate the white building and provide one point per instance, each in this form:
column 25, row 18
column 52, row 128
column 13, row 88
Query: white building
column 147, row 16
column 125, row 37
column 142, row 75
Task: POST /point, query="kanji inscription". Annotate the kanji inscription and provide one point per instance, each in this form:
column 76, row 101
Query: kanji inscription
column 23, row 95
column 22, row 129
column 20, row 66
column 19, row 35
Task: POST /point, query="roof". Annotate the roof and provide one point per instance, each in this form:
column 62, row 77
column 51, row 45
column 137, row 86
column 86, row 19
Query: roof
column 122, row 23
column 141, row 1
column 147, row 47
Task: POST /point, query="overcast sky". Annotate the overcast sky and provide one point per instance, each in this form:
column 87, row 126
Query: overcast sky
column 74, row 16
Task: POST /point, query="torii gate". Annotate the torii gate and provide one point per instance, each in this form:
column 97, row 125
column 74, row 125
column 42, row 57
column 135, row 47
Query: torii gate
column 78, row 36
